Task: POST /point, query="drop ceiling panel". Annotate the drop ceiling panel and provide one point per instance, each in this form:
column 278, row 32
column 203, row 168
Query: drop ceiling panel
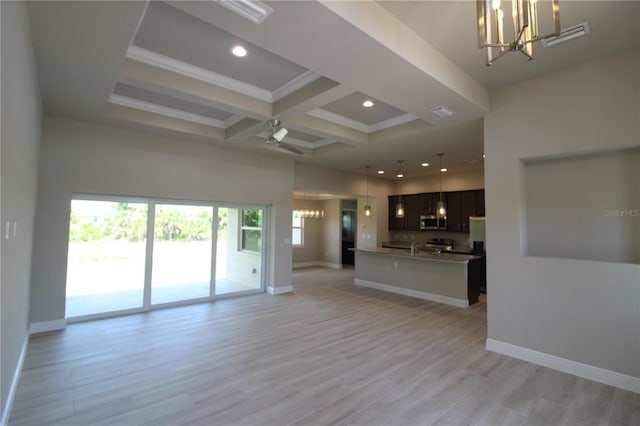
column 351, row 107
column 169, row 101
column 175, row 34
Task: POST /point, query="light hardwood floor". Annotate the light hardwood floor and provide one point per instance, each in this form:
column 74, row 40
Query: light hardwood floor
column 331, row 353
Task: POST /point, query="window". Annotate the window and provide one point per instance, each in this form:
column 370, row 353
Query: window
column 297, row 233
column 251, row 230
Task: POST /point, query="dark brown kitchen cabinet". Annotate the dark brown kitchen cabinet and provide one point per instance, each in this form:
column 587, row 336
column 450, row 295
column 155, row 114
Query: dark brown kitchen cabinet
column 411, row 219
column 461, row 205
column 429, row 201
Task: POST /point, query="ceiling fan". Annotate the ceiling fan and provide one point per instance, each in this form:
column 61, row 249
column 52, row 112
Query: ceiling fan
column 277, row 135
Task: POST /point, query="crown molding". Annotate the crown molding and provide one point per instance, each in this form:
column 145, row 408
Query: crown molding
column 338, row 119
column 291, row 86
column 357, row 125
column 166, row 111
column 161, row 61
column 392, row 122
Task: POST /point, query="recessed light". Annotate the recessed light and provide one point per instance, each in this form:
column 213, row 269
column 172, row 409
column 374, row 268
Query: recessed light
column 239, row 51
column 443, row 169
column 399, row 175
column 368, row 103
column 425, row 164
column 380, row 172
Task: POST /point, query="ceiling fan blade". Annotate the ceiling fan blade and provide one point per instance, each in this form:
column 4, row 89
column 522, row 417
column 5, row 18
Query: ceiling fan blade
column 290, row 148
column 280, row 134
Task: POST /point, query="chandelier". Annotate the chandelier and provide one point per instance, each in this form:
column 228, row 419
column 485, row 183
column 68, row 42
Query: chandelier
column 308, row 213
column 525, row 26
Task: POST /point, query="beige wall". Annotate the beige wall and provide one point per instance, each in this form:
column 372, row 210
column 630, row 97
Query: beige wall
column 371, row 230
column 91, row 159
column 585, row 207
column 21, row 116
column 451, row 181
column 577, row 310
column 332, row 228
column 313, row 241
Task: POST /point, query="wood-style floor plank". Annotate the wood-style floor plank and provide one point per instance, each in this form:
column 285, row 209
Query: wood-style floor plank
column 331, row 353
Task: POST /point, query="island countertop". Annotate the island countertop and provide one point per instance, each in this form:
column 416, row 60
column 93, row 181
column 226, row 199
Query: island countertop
column 441, row 277
column 422, row 255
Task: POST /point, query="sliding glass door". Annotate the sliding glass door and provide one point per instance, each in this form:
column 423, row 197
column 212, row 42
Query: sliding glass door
column 106, row 257
column 128, row 255
column 182, row 241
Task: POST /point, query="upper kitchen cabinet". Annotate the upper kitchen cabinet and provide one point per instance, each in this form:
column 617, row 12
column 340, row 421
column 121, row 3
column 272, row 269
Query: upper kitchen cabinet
column 461, row 205
column 412, row 209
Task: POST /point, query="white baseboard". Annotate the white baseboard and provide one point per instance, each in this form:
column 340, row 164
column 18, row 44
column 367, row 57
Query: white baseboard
column 576, row 368
column 460, row 303
column 280, row 290
column 318, row 263
column 6, row 408
column 45, row 326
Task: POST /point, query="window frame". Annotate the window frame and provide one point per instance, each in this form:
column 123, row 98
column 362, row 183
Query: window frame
column 301, row 227
column 242, row 228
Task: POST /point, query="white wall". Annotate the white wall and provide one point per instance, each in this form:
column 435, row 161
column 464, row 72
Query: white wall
column 87, row 158
column 21, row 116
column 585, row 312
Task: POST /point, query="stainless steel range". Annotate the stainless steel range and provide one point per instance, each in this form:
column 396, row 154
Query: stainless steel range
column 438, row 245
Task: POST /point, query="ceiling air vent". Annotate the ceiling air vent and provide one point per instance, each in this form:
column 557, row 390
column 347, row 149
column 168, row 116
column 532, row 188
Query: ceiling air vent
column 253, row 10
column 567, row 34
column 442, row 112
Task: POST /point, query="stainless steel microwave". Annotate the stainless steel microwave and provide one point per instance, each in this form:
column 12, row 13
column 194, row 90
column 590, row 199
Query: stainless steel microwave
column 433, row 223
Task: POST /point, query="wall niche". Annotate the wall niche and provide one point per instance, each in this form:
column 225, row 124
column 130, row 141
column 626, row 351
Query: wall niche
column 583, row 207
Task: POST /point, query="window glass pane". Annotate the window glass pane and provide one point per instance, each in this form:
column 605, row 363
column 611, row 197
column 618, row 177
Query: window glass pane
column 252, row 217
column 296, row 237
column 106, row 257
column 181, row 253
column 251, row 240
column 297, row 222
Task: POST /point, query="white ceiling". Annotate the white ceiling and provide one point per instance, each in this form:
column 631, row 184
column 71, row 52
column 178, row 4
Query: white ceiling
column 167, row 68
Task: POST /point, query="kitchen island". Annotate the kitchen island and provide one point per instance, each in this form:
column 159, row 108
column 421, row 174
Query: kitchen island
column 449, row 278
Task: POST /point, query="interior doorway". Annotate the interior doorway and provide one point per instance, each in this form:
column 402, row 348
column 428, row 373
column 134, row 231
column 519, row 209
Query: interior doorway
column 349, row 227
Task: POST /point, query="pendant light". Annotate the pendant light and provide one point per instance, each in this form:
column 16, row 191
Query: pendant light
column 367, row 207
column 441, row 207
column 400, row 206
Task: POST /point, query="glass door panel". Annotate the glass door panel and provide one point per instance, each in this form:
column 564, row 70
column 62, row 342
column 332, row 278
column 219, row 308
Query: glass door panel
column 181, row 253
column 239, row 250
column 106, row 258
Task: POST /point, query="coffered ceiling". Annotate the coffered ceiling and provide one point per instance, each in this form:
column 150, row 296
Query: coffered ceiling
column 167, row 68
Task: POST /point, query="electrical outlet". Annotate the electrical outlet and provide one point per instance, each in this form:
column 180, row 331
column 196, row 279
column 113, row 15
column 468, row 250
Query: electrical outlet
column 395, row 265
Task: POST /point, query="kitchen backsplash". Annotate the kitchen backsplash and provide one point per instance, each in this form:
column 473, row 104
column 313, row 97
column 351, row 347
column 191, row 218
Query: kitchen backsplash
column 460, row 239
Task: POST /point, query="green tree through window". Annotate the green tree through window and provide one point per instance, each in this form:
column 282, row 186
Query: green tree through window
column 252, row 230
